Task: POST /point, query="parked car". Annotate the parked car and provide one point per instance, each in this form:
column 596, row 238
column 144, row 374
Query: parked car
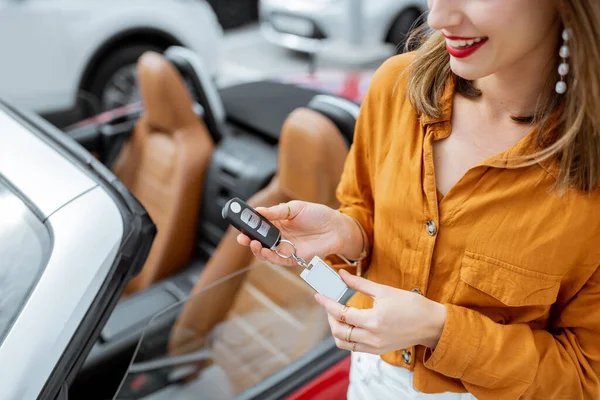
column 71, row 237
column 61, row 54
column 304, row 25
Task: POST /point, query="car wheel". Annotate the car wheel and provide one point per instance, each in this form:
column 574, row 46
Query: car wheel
column 401, row 28
column 114, row 82
column 235, row 13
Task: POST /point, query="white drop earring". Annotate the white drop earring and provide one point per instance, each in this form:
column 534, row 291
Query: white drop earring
column 563, row 68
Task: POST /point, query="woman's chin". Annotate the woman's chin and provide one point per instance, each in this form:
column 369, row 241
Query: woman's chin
column 467, row 72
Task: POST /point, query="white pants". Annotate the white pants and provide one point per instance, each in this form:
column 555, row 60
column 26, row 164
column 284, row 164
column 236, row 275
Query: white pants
column 371, row 378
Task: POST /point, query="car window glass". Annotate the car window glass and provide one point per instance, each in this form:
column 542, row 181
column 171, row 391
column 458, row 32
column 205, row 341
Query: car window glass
column 227, row 338
column 24, row 251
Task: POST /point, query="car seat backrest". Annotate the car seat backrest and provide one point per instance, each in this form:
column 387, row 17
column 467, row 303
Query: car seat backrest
column 343, row 113
column 312, row 153
column 163, row 165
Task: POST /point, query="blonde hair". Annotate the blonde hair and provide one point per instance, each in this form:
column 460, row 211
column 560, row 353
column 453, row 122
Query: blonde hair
column 574, row 139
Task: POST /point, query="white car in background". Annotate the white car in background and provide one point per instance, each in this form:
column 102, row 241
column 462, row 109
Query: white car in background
column 304, row 25
column 59, row 54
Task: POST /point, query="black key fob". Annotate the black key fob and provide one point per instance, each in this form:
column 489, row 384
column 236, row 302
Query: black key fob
column 245, row 219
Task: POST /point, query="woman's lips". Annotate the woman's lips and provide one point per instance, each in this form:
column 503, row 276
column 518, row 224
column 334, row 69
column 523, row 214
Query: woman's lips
column 461, row 47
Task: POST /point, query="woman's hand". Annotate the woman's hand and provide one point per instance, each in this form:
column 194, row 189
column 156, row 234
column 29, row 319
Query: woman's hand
column 398, row 319
column 313, row 228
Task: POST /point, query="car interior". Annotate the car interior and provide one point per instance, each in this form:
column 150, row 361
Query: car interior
column 190, row 149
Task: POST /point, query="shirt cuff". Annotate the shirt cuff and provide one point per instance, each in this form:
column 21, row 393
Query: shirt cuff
column 459, row 343
column 364, row 218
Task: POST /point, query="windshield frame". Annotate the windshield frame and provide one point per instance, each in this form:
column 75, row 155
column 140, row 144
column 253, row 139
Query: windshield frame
column 44, row 358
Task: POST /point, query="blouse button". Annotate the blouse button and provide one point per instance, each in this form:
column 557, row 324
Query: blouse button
column 431, row 228
column 406, row 356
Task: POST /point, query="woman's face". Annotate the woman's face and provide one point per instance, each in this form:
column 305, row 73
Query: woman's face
column 484, row 37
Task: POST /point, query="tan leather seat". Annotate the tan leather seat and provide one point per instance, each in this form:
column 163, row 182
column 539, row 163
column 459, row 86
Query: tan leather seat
column 311, row 159
column 163, row 165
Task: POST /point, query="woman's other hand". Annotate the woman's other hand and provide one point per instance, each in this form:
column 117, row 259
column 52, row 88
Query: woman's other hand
column 398, row 319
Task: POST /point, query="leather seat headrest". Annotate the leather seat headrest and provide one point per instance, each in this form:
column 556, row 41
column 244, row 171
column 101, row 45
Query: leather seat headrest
column 203, row 90
column 312, row 153
column 167, row 102
column 343, row 113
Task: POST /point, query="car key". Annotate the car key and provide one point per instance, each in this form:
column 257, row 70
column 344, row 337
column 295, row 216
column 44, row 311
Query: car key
column 318, row 274
column 248, row 221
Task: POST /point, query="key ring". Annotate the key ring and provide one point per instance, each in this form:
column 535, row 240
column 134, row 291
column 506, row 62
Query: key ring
column 299, row 260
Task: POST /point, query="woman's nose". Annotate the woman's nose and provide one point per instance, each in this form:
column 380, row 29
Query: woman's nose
column 444, row 14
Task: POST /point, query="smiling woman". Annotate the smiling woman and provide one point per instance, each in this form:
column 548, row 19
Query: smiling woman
column 474, row 177
column 519, row 39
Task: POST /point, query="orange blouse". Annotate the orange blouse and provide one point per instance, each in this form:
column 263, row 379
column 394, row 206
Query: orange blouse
column 516, row 265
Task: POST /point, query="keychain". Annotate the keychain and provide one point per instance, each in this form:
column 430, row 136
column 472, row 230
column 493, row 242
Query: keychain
column 317, row 273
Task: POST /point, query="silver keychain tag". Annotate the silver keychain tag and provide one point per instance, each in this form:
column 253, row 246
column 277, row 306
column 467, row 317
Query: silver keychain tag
column 320, row 276
column 324, row 279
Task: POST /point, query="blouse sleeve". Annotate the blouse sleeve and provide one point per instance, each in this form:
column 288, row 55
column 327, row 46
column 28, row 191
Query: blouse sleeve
column 356, row 187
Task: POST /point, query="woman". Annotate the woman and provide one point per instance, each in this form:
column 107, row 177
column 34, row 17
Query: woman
column 470, row 197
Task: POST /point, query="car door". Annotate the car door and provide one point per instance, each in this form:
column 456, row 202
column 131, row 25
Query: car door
column 35, row 54
column 71, row 237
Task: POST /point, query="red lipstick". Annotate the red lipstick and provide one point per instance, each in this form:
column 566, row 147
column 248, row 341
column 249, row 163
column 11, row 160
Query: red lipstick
column 463, row 52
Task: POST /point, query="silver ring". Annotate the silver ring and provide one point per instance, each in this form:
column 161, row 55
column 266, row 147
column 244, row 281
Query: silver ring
column 285, row 257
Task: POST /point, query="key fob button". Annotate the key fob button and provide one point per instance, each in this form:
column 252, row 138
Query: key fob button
column 250, row 218
column 235, row 207
column 264, row 229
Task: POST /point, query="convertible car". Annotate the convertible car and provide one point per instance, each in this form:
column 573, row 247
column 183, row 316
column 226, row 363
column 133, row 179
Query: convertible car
column 201, row 318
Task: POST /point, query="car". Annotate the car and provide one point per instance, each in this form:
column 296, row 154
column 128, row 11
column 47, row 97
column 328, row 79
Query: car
column 71, row 237
column 306, row 25
column 147, row 338
column 68, row 59
column 73, row 331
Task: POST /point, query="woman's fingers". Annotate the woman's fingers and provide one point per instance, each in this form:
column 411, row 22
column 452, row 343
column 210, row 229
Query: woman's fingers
column 243, row 239
column 353, row 338
column 255, row 247
column 272, row 257
column 282, row 211
column 264, row 254
column 356, row 346
column 362, row 285
column 349, row 315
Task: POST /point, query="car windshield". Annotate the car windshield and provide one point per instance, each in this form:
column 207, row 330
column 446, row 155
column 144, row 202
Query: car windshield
column 229, row 339
column 24, row 251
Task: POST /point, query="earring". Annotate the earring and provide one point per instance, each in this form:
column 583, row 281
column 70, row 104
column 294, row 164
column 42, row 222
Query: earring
column 563, row 68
